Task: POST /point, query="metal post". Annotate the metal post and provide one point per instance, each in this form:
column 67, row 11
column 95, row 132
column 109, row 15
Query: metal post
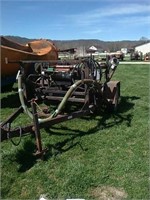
column 36, row 129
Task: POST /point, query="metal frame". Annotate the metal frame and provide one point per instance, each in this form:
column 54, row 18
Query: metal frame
column 106, row 92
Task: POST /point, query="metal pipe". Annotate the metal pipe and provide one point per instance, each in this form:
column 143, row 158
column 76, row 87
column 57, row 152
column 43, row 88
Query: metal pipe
column 62, row 103
column 66, row 97
column 21, row 97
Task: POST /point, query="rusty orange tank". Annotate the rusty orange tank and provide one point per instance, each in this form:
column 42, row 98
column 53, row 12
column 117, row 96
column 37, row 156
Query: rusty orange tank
column 36, row 50
column 12, row 52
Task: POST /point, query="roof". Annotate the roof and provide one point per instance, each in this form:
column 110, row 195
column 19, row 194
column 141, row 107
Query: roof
column 145, row 44
column 93, row 49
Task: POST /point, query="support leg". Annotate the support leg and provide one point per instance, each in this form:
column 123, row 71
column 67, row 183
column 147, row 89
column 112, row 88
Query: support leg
column 39, row 151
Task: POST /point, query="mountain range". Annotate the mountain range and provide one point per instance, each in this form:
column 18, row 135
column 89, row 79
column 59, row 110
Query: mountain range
column 82, row 43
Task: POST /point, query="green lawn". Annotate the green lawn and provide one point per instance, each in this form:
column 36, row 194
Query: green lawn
column 96, row 157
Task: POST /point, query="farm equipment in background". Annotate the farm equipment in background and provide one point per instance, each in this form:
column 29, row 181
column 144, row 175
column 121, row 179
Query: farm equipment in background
column 105, row 55
column 36, row 50
column 135, row 55
column 118, row 54
column 55, row 91
column 147, row 57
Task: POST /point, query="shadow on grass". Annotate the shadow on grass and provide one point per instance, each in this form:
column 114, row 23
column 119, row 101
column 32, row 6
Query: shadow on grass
column 119, row 117
column 64, row 146
column 11, row 101
column 26, row 159
column 127, row 103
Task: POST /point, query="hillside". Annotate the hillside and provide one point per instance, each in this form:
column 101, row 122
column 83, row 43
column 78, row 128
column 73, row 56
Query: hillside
column 105, row 45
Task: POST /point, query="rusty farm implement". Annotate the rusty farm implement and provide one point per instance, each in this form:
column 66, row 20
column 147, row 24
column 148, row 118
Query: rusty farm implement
column 48, row 88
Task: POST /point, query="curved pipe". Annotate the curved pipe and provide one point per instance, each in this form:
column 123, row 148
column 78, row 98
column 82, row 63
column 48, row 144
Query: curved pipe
column 21, row 97
column 62, row 103
column 65, row 98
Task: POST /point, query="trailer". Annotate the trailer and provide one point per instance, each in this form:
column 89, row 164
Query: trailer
column 52, row 92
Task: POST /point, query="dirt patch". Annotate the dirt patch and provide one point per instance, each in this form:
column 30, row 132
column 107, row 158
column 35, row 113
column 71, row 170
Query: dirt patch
column 108, row 193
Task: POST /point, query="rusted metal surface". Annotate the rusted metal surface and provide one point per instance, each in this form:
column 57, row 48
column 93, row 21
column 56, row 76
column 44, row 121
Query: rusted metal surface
column 29, row 129
column 13, row 116
column 36, row 50
column 36, row 127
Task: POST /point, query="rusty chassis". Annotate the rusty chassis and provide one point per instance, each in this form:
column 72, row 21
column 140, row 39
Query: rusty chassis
column 34, row 128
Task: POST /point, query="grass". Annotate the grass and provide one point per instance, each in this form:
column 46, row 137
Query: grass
column 95, row 157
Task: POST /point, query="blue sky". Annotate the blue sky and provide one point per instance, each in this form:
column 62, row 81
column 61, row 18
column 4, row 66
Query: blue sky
column 108, row 20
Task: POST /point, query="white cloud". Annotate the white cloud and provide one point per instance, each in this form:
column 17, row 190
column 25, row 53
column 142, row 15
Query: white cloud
column 93, row 31
column 109, row 18
column 105, row 13
column 136, row 20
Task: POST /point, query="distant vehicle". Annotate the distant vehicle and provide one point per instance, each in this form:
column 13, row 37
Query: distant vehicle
column 127, row 50
column 136, row 55
column 131, row 50
column 118, row 54
column 104, row 55
column 124, row 50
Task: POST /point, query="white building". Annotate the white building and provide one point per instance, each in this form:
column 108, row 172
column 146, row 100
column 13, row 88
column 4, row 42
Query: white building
column 93, row 48
column 124, row 50
column 145, row 48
